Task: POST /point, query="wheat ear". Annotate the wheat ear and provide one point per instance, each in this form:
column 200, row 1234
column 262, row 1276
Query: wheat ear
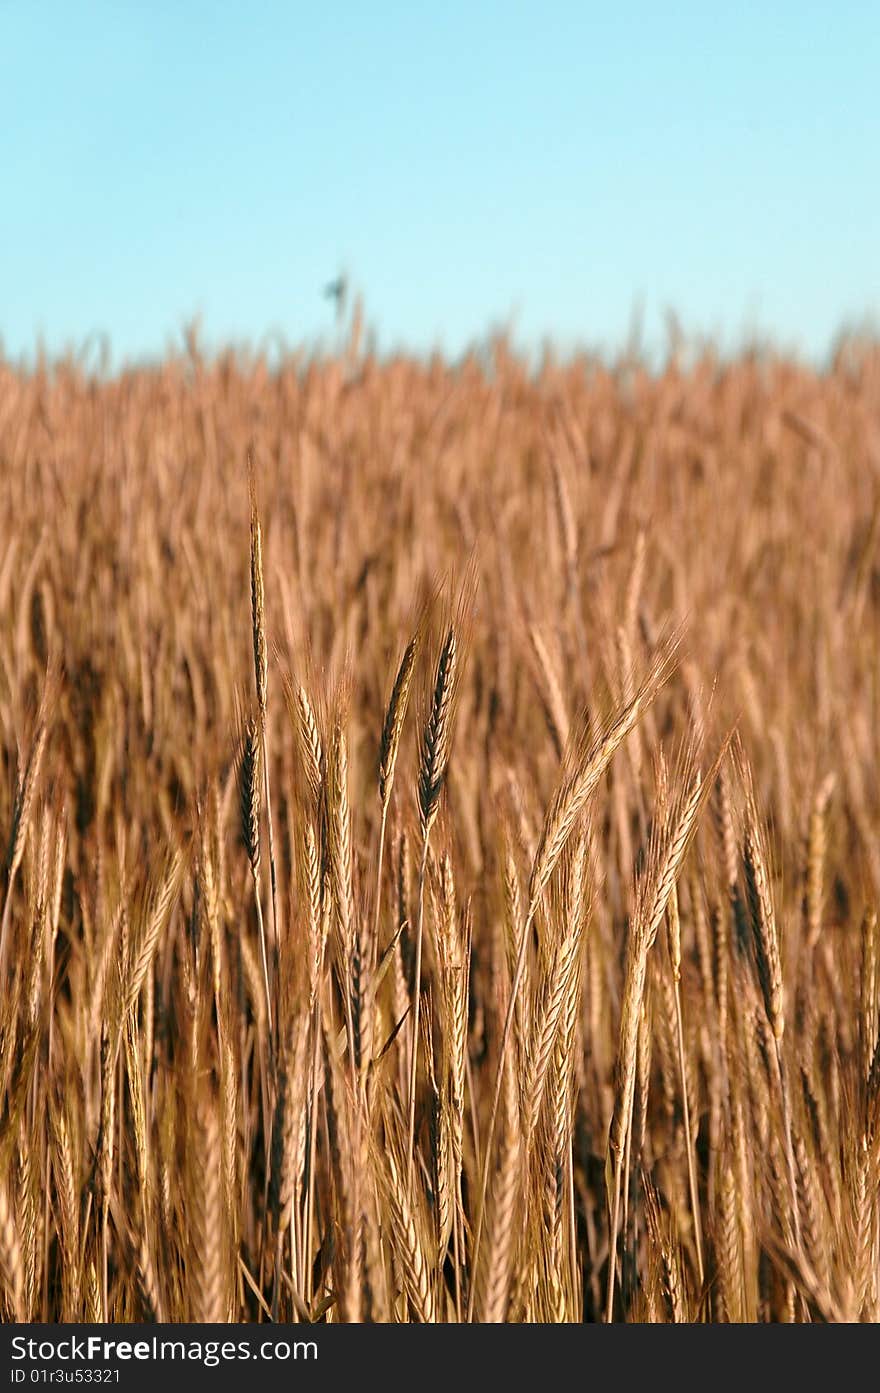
column 652, row 896
column 11, row 1269
column 579, row 781
column 250, row 777
column 389, row 746
column 433, row 764
column 24, row 798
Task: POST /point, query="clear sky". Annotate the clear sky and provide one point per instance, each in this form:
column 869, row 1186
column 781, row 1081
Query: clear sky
column 549, row 166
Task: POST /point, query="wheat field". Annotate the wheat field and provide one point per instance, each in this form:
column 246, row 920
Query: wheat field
column 442, row 840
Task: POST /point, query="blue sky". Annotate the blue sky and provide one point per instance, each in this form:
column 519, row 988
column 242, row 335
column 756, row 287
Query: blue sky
column 546, row 166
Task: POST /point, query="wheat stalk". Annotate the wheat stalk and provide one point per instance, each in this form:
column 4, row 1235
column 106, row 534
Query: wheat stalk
column 261, row 675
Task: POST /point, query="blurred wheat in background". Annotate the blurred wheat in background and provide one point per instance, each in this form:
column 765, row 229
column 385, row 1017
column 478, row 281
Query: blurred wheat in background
column 442, row 861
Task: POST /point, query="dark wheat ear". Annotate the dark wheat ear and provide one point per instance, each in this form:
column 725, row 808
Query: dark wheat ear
column 250, row 788
column 437, row 733
column 258, row 597
column 439, row 718
column 765, row 938
column 433, row 764
column 250, row 776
